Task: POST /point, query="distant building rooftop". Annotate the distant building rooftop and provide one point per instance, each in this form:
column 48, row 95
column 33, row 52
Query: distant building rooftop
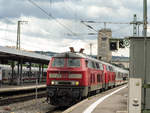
column 120, row 59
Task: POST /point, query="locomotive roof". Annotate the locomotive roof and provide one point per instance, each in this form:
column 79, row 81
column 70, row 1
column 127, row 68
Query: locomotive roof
column 78, row 55
column 71, row 54
column 81, row 55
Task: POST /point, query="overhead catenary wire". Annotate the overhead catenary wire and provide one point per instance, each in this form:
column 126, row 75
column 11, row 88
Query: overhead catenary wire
column 50, row 15
column 71, row 14
column 84, row 23
column 89, row 26
column 75, row 15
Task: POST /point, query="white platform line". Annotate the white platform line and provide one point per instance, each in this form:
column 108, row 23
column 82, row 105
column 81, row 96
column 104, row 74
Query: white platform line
column 93, row 106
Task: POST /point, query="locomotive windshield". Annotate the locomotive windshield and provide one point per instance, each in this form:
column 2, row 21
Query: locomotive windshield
column 58, row 62
column 72, row 62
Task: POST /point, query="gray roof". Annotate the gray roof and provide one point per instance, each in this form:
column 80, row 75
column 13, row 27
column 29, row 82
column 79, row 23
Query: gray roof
column 11, row 53
column 120, row 59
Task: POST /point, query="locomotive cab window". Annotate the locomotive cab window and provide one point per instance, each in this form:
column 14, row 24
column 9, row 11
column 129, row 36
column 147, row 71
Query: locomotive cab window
column 72, row 62
column 58, row 62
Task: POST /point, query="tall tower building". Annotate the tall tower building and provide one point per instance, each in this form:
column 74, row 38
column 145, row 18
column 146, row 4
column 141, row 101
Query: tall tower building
column 104, row 52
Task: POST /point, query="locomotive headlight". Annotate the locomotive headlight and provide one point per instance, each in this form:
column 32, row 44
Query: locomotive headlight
column 52, row 82
column 75, row 76
column 77, row 83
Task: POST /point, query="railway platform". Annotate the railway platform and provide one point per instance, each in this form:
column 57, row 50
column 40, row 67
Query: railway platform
column 111, row 101
column 13, row 88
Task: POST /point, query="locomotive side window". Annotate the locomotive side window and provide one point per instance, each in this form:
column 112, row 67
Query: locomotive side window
column 97, row 66
column 93, row 65
column 73, row 62
column 101, row 66
column 89, row 64
column 98, row 78
column 93, row 78
column 107, row 68
column 110, row 68
column 58, row 62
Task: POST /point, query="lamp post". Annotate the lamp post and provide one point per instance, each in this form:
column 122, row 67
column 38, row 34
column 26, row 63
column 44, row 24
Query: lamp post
column 18, row 33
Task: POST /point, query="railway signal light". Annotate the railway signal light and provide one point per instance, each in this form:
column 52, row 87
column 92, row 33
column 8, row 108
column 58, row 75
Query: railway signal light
column 116, row 43
column 121, row 44
column 113, row 46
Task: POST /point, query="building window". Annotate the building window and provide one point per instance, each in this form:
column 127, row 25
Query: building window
column 104, row 38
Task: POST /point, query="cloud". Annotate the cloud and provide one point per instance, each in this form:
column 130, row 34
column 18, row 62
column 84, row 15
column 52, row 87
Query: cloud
column 66, row 29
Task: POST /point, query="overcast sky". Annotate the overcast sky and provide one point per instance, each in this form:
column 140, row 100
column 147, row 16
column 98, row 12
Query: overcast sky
column 54, row 25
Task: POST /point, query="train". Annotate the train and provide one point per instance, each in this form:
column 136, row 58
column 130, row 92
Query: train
column 27, row 76
column 73, row 76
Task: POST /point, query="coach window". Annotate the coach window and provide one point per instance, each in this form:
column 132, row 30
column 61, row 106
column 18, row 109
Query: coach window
column 73, row 62
column 58, row 62
column 121, row 75
column 3, row 72
column 118, row 74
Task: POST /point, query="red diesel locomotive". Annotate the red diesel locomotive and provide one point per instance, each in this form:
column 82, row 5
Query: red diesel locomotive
column 72, row 76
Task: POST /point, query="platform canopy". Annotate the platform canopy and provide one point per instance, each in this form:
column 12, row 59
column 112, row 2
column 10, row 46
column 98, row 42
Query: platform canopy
column 7, row 54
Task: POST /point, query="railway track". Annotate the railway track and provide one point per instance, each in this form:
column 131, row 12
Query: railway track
column 32, row 105
column 6, row 100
